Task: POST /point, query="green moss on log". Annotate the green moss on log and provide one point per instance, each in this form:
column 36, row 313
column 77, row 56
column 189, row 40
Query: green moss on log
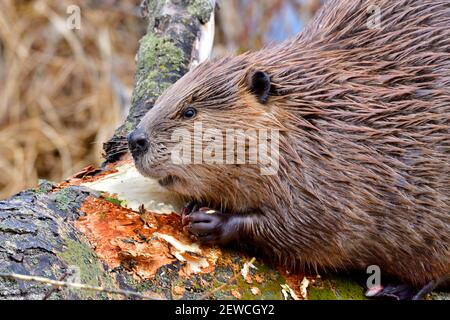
column 159, row 60
column 202, row 9
column 335, row 288
column 270, row 288
column 63, row 199
column 80, row 256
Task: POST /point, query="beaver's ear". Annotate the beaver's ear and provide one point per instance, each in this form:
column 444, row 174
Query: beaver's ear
column 259, row 85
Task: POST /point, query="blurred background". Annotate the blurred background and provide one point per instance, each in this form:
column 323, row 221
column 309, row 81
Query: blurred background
column 63, row 92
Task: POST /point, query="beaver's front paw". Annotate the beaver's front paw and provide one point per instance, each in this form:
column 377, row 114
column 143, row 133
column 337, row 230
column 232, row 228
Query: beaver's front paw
column 210, row 226
column 189, row 208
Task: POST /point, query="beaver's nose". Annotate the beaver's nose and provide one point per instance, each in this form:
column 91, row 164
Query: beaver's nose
column 137, row 142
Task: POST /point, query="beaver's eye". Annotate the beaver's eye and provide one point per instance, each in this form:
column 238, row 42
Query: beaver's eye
column 189, row 113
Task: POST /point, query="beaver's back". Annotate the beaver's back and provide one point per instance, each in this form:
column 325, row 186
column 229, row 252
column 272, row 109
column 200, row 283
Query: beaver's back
column 369, row 114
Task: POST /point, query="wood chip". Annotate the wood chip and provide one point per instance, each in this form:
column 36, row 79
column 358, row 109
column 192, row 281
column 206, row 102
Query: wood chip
column 236, row 294
column 255, row 291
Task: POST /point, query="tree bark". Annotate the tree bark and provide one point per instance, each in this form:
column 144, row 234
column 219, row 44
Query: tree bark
column 37, row 237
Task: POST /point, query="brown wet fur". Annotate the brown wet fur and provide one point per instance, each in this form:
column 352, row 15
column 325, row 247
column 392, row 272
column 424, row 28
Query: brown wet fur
column 364, row 116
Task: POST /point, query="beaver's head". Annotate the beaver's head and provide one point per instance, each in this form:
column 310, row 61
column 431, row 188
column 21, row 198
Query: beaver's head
column 180, row 140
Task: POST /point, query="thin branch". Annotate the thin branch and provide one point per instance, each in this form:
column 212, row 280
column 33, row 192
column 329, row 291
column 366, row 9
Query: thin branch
column 80, row 286
column 55, row 288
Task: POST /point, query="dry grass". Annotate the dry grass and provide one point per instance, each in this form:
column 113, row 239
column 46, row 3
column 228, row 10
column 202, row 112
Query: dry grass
column 62, row 92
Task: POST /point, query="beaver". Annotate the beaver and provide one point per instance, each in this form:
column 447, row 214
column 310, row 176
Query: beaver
column 363, row 115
